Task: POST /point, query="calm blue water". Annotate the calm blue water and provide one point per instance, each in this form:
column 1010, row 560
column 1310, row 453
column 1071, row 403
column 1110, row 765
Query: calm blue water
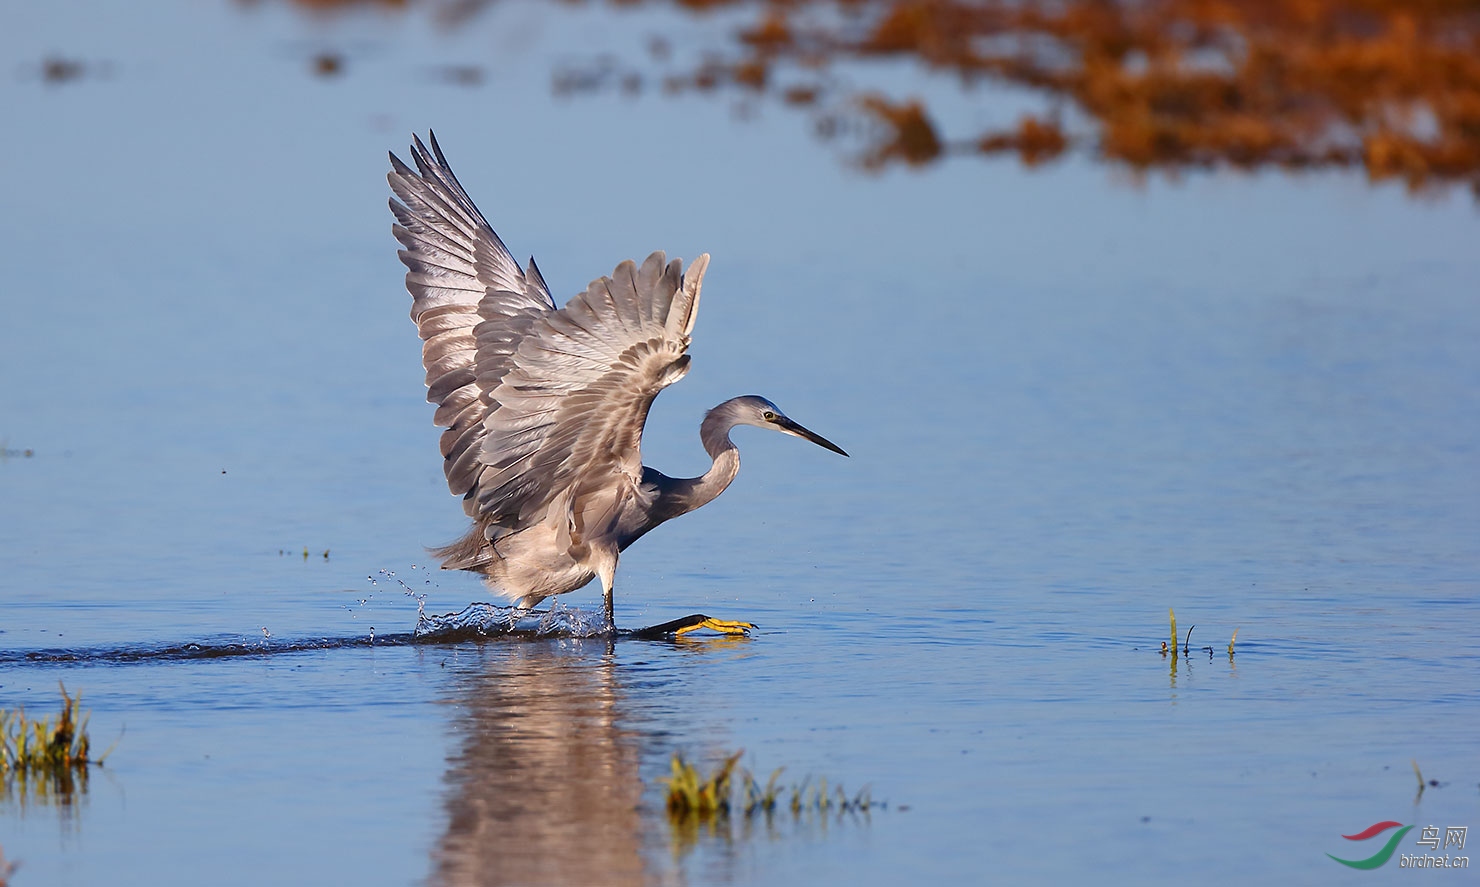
column 1072, row 400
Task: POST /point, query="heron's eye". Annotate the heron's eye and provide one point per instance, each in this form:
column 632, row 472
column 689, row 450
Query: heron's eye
column 768, row 416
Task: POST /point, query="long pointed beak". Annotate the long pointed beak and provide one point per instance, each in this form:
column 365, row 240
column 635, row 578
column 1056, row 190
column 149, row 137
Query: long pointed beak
column 793, row 428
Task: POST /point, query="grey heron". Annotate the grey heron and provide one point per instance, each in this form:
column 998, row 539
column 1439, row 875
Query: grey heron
column 544, row 406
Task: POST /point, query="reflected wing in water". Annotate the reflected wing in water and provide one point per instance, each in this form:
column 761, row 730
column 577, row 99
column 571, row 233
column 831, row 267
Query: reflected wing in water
column 546, row 788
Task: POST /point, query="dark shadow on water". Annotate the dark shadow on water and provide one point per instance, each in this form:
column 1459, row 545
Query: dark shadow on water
column 149, row 653
column 477, row 622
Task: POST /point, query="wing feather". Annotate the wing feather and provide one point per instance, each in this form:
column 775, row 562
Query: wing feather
column 457, row 406
column 572, row 407
column 462, row 279
column 543, row 407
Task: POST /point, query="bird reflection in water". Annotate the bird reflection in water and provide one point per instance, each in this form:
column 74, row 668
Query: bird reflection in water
column 546, row 787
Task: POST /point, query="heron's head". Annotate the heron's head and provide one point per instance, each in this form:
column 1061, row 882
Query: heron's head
column 755, row 410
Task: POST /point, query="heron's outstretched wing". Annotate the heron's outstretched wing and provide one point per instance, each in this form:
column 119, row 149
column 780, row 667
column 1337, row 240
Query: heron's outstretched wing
column 470, row 302
column 571, row 407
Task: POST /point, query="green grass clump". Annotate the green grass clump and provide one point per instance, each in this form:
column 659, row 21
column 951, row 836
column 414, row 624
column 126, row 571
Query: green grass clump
column 691, row 795
column 46, row 756
column 732, row 791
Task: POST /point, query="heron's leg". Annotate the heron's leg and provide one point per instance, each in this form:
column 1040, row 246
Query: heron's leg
column 607, row 571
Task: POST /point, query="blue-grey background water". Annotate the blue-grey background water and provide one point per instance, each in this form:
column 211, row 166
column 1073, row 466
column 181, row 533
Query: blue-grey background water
column 1073, row 401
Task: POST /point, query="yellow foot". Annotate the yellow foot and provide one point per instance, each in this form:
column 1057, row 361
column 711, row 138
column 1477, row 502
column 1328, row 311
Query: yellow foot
column 723, row 626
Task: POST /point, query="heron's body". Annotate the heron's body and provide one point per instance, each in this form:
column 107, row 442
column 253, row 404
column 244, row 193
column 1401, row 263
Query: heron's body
column 554, row 556
column 544, row 407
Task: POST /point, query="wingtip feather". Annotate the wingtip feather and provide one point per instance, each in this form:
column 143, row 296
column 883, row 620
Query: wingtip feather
column 681, row 321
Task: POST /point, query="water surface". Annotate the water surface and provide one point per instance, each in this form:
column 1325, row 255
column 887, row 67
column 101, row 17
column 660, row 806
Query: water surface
column 1073, row 401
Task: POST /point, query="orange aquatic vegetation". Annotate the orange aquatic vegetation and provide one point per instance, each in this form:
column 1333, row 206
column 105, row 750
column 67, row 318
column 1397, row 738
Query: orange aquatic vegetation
column 333, row 5
column 912, row 137
column 1391, row 86
column 1035, row 140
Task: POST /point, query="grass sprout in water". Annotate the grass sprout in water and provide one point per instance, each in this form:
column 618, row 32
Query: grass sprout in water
column 1186, row 644
column 45, row 759
column 730, row 796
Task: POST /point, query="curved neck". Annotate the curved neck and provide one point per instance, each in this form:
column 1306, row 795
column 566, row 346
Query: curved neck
column 684, row 494
column 714, row 432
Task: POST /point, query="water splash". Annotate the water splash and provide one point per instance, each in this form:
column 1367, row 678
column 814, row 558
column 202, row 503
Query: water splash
column 492, row 620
